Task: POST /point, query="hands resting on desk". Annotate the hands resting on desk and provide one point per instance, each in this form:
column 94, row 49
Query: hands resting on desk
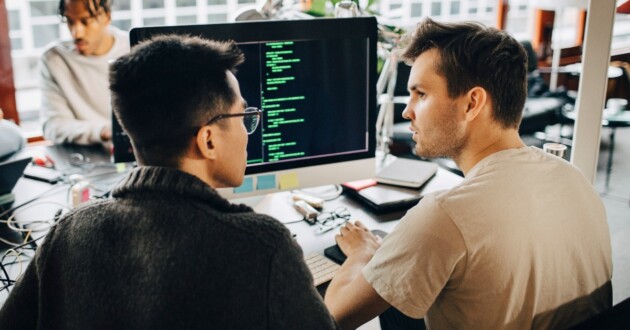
column 356, row 241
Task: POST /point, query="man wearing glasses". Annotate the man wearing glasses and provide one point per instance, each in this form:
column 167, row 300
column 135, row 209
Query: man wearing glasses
column 166, row 251
column 75, row 94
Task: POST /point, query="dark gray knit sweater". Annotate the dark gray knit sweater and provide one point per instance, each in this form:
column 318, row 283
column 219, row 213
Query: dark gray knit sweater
column 166, row 252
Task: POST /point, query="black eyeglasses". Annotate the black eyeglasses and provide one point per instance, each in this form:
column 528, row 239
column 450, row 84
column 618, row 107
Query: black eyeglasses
column 251, row 118
column 331, row 220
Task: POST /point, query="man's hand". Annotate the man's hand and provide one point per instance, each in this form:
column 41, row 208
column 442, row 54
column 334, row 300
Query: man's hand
column 350, row 298
column 356, row 241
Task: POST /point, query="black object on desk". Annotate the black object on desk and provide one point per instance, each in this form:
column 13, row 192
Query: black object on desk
column 382, row 198
column 10, row 172
column 44, row 174
column 335, row 254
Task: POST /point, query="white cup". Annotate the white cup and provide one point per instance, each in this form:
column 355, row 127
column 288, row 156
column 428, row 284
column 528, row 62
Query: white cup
column 616, row 105
column 346, row 8
column 555, row 149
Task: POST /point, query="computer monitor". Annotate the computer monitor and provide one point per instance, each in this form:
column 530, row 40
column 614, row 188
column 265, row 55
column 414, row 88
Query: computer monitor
column 315, row 81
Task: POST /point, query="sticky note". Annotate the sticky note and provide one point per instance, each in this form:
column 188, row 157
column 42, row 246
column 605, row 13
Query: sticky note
column 121, row 167
column 247, row 186
column 266, row 182
column 288, row 180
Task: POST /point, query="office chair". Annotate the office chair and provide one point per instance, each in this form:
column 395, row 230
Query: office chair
column 616, row 317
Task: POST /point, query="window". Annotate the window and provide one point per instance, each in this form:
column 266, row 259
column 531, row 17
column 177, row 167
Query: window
column 149, row 4
column 154, row 21
column 44, row 8
column 217, row 2
column 14, row 20
column 455, row 10
column 436, row 9
column 45, row 34
column 621, row 31
column 16, row 43
column 185, row 3
column 123, row 24
column 416, row 9
column 217, row 18
column 121, row 5
column 33, row 24
column 186, row 20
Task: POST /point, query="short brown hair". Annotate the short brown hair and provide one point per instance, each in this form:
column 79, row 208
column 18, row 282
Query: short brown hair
column 474, row 55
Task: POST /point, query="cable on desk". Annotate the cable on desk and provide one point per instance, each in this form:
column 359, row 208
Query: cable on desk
column 42, row 225
column 11, row 220
column 55, row 187
column 17, row 257
column 327, row 195
column 8, row 282
column 293, row 221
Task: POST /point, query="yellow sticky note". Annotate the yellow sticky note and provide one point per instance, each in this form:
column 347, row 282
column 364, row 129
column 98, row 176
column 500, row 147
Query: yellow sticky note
column 288, row 180
column 121, row 167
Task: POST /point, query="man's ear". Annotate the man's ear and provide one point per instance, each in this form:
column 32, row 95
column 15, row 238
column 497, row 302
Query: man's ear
column 477, row 99
column 206, row 142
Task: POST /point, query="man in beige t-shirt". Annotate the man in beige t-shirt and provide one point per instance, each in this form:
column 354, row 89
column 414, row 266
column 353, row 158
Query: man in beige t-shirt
column 521, row 243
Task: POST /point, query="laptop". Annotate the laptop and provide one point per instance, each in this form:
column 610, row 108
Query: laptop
column 382, row 198
column 10, row 172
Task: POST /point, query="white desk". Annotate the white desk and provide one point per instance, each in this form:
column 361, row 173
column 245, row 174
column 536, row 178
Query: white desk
column 279, row 205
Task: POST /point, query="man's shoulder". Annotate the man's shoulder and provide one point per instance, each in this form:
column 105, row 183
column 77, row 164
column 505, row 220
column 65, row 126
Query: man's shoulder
column 56, row 49
column 240, row 221
column 121, row 42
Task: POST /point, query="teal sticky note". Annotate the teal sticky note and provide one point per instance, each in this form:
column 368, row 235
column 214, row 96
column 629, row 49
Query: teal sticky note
column 266, row 182
column 247, row 186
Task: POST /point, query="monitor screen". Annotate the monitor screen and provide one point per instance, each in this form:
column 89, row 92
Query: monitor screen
column 315, row 81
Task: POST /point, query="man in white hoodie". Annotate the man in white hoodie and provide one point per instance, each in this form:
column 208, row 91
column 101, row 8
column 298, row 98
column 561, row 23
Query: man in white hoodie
column 74, row 74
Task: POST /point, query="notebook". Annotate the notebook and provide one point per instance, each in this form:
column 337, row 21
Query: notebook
column 10, row 172
column 384, row 198
column 407, row 173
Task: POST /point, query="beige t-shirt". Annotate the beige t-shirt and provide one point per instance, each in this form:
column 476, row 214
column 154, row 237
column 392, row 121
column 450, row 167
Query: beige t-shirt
column 522, row 242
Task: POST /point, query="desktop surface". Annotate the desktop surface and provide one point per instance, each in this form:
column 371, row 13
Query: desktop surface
column 49, row 199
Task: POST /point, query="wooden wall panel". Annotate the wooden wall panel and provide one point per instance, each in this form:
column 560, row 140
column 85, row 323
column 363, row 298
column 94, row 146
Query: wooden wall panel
column 7, row 87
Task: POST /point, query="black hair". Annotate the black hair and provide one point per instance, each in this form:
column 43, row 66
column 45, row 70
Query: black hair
column 167, row 87
column 474, row 55
column 93, row 6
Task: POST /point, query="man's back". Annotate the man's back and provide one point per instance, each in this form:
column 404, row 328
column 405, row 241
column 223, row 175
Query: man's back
column 167, row 252
column 542, row 229
column 523, row 242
